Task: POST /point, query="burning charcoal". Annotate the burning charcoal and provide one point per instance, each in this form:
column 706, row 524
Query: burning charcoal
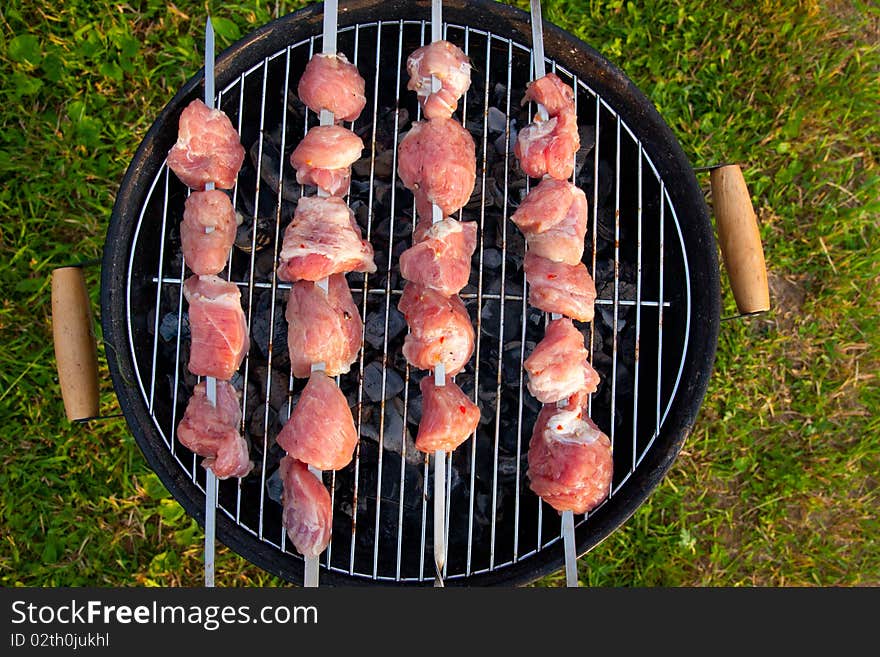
column 373, row 382
column 492, row 258
column 168, row 328
column 374, row 328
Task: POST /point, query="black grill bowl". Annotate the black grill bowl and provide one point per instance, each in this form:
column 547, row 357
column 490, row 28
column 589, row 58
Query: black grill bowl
column 689, row 321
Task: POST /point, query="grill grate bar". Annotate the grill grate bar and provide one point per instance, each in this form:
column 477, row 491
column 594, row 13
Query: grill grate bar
column 480, row 297
column 467, row 296
column 159, row 293
column 638, row 316
column 498, row 374
column 376, row 528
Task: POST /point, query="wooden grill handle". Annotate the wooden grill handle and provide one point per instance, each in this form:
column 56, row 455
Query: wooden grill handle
column 740, row 239
column 76, row 351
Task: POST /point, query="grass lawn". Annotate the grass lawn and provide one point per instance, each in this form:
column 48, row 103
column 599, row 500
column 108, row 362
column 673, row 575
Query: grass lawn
column 776, row 485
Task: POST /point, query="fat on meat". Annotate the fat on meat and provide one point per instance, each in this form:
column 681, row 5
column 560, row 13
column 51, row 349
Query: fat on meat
column 321, row 429
column 558, row 366
column 556, row 287
column 547, row 148
column 307, row 511
column 437, row 163
column 207, row 150
column 553, row 218
column 552, row 93
column 212, row 431
column 322, row 327
column 448, row 416
column 452, row 68
column 207, row 252
column 332, row 83
column 570, row 461
column 440, row 329
column 324, row 158
column 218, row 329
column 323, row 239
column 440, row 257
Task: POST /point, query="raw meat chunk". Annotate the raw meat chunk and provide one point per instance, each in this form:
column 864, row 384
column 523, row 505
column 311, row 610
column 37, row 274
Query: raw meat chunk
column 553, row 218
column 437, row 162
column 218, row 330
column 570, row 459
column 558, row 366
column 440, row 329
column 440, row 257
column 322, row 327
column 207, row 252
column 547, row 148
column 323, row 239
column 307, row 515
column 332, row 83
column 552, row 93
column 446, row 62
column 212, row 431
column 324, row 158
column 207, row 148
column 448, row 416
column 321, row 429
column 556, row 287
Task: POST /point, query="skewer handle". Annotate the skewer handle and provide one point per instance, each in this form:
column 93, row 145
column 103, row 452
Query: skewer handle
column 740, row 239
column 76, row 351
column 571, row 570
column 210, row 525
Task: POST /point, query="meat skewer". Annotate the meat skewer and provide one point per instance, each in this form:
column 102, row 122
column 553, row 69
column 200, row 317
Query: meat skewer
column 210, row 382
column 437, row 163
column 571, row 575
column 310, row 576
column 322, row 244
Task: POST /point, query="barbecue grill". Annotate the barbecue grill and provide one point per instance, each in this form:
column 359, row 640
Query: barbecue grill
column 651, row 251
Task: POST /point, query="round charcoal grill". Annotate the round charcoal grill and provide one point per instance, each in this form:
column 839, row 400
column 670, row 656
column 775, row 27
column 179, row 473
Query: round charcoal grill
column 650, row 248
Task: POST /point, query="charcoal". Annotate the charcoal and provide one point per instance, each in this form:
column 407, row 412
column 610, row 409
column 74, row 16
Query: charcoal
column 274, row 486
column 247, row 241
column 260, row 331
column 492, row 258
column 266, row 155
column 374, row 327
column 496, row 120
column 373, row 382
column 168, row 328
column 587, row 135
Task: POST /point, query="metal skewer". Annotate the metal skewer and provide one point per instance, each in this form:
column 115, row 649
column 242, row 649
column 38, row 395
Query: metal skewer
column 210, row 382
column 440, row 369
column 328, row 47
column 571, row 575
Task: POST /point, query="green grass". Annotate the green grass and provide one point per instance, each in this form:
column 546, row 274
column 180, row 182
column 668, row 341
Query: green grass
column 777, row 484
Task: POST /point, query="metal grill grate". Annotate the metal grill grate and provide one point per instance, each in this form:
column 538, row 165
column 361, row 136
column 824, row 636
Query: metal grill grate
column 382, row 528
